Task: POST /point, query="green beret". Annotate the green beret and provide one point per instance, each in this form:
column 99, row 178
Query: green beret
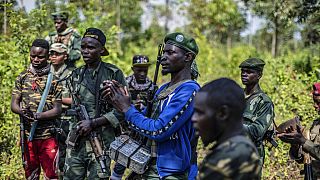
column 60, row 15
column 182, row 41
column 253, row 63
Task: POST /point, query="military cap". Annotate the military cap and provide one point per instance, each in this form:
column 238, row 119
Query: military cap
column 140, row 60
column 60, row 15
column 253, row 63
column 99, row 36
column 182, row 41
column 58, row 47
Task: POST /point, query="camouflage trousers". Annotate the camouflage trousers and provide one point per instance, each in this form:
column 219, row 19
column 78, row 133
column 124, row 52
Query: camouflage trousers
column 80, row 163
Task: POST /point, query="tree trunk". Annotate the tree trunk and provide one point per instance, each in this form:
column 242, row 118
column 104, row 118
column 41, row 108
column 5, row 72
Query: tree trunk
column 275, row 34
column 229, row 41
column 5, row 18
column 119, row 25
column 166, row 29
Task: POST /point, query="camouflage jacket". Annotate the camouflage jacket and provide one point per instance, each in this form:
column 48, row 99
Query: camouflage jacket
column 235, row 158
column 311, row 146
column 71, row 38
column 60, row 75
column 138, row 92
column 30, row 86
column 258, row 117
column 84, row 82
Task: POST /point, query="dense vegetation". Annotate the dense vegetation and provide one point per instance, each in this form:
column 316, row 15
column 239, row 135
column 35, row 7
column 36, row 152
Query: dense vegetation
column 292, row 64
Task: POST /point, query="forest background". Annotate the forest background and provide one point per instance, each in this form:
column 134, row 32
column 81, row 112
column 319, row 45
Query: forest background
column 292, row 64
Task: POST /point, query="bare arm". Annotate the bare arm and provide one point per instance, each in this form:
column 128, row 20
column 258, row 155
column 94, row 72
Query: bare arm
column 15, row 104
column 52, row 113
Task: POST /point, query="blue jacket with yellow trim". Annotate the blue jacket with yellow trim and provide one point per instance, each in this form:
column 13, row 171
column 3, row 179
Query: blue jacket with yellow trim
column 173, row 130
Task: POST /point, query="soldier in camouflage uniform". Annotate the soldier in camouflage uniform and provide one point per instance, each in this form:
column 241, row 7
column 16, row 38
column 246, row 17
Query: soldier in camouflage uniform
column 218, row 110
column 66, row 35
column 26, row 97
column 58, row 56
column 85, row 83
column 299, row 143
column 138, row 82
column 258, row 115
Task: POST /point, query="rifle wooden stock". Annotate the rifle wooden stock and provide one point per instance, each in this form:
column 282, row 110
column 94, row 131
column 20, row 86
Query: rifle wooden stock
column 95, row 142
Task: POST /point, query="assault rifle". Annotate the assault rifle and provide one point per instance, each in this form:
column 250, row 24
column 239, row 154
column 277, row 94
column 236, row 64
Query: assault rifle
column 24, row 147
column 151, row 92
column 95, row 142
column 81, row 113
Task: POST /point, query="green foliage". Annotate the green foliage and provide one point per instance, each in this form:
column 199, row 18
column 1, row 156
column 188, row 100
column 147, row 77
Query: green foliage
column 219, row 18
column 286, row 79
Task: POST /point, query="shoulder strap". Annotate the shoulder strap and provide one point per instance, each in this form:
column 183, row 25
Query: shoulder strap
column 41, row 105
column 45, row 93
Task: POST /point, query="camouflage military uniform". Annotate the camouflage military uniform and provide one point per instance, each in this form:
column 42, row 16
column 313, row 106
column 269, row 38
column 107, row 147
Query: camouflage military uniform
column 30, row 85
column 80, row 161
column 235, row 158
column 258, row 117
column 63, row 122
column 72, row 39
column 138, row 92
column 311, row 146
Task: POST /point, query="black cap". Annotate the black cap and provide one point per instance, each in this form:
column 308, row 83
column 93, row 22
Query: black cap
column 140, row 60
column 99, row 36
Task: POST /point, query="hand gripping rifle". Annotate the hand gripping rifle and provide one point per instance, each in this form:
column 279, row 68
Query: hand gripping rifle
column 308, row 175
column 152, row 91
column 81, row 113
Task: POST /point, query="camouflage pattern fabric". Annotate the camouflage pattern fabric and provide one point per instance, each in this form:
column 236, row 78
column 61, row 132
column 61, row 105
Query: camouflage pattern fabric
column 313, row 147
column 235, row 158
column 30, row 87
column 72, row 39
column 63, row 122
column 63, row 72
column 138, row 92
column 81, row 159
column 258, row 117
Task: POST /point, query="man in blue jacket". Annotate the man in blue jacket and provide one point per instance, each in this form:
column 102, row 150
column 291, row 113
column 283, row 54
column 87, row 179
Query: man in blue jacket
column 170, row 126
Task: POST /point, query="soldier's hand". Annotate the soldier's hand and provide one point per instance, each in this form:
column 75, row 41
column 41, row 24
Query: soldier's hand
column 84, row 127
column 293, row 136
column 118, row 96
